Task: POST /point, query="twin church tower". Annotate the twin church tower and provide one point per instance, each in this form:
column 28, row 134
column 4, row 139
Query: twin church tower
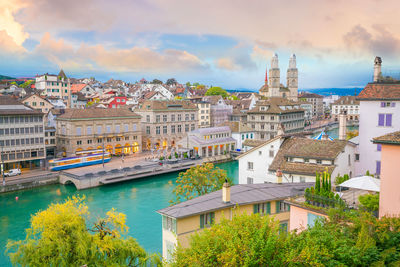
column 273, row 86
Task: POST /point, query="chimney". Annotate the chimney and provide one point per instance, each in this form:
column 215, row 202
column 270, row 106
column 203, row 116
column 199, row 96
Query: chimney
column 226, row 192
column 279, row 176
column 342, row 125
column 377, row 69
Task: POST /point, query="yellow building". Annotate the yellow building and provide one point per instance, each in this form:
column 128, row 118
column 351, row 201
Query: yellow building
column 180, row 221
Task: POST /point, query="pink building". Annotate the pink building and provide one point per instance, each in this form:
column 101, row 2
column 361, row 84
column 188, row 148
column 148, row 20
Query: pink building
column 389, row 198
column 302, row 217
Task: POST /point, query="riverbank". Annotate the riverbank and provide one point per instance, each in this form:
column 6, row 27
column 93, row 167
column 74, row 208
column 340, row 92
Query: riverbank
column 138, row 199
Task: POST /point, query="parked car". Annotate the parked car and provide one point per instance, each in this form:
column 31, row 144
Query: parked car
column 12, row 172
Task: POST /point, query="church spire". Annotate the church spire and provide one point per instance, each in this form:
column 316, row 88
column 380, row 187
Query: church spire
column 266, row 75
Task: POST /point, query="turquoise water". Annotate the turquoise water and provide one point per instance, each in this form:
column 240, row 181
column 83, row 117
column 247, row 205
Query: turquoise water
column 334, row 133
column 138, row 199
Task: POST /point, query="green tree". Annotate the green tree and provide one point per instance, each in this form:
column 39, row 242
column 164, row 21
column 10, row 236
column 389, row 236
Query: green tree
column 233, row 97
column 14, row 83
column 188, row 84
column 171, row 81
column 27, row 84
column 58, row 236
column 217, row 91
column 369, row 202
column 197, row 181
column 156, row 81
column 246, row 240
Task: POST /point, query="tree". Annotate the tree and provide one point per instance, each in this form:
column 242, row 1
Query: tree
column 59, row 236
column 199, row 180
column 171, row 81
column 188, row 84
column 369, row 202
column 156, row 81
column 27, row 84
column 246, row 240
column 233, row 97
column 217, row 91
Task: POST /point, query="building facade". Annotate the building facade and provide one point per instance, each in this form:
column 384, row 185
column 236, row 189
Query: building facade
column 349, row 104
column 204, row 108
column 180, row 221
column 21, row 135
column 36, row 102
column 117, row 130
column 316, row 101
column 379, row 115
column 240, row 132
column 209, row 142
column 219, row 110
column 57, row 86
column 268, row 115
column 164, row 123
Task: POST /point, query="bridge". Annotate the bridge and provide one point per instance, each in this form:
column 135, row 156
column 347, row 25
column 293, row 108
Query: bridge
column 90, row 179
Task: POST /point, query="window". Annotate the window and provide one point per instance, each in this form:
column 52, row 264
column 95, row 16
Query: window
column 179, row 128
column 164, row 129
column 179, row 117
column 169, row 224
column 186, row 117
column 192, row 117
column 206, row 219
column 186, row 127
column 260, row 153
column 79, row 142
column 271, row 153
column 117, row 139
column 157, row 118
column 108, row 128
column 172, row 128
column 89, row 141
column 117, row 128
column 147, row 118
column 192, row 127
column 126, row 127
column 302, row 179
column 357, row 157
column 147, row 129
column 282, row 206
column 99, row 140
column 311, row 218
column 378, row 168
column 109, row 139
column 158, row 130
column 173, row 117
column 98, row 129
column 262, row 117
column 250, row 180
column 164, row 118
column 89, row 130
column 134, row 127
column 384, row 119
column 262, row 208
column 250, row 165
column 78, row 131
column 283, row 227
column 242, row 136
column 319, row 161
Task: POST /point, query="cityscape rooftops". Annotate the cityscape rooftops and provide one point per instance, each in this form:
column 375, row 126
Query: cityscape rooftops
column 77, row 87
column 309, row 95
column 240, row 195
column 276, row 105
column 163, row 105
column 237, row 127
column 347, row 100
column 97, row 113
column 11, row 106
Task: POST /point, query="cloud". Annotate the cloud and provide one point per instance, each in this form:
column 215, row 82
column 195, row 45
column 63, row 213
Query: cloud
column 8, row 45
column 379, row 42
column 227, row 64
column 8, row 23
column 134, row 59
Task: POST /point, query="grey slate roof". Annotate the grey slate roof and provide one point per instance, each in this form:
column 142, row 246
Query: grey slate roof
column 241, row 194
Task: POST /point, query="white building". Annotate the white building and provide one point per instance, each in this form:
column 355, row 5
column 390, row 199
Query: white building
column 55, row 86
column 297, row 158
column 349, row 104
column 379, row 115
column 240, row 132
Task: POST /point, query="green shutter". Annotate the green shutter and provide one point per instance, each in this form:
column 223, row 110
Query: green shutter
column 255, row 208
column 277, row 206
column 269, row 208
column 201, row 221
column 288, row 207
column 212, row 216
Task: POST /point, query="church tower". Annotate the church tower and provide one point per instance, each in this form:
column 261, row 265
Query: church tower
column 292, row 78
column 264, row 89
column 377, row 69
column 274, row 77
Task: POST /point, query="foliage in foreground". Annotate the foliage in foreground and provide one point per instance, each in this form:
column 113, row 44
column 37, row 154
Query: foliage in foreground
column 197, row 181
column 59, row 236
column 346, row 239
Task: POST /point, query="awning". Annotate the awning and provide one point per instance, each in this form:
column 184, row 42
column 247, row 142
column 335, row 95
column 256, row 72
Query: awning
column 367, row 183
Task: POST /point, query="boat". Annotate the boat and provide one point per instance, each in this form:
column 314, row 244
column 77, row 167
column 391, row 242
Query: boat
column 76, row 162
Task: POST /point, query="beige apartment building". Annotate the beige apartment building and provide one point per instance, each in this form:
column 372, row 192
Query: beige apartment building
column 270, row 115
column 21, row 135
column 204, row 108
column 36, row 102
column 56, row 86
column 118, row 130
column 181, row 221
column 165, row 122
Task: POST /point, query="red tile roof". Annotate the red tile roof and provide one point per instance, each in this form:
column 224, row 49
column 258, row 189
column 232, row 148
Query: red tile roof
column 380, row 91
column 77, row 87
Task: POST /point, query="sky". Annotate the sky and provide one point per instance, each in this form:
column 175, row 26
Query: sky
column 227, row 43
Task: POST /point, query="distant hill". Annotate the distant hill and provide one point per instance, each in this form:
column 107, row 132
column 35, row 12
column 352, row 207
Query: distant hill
column 2, row 77
column 334, row 91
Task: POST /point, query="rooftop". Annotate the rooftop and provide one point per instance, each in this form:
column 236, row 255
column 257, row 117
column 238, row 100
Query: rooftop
column 97, row 113
column 390, row 138
column 347, row 100
column 240, row 195
column 11, row 106
column 309, row 95
column 212, row 130
column 237, row 127
column 275, row 106
column 166, row 105
column 380, row 91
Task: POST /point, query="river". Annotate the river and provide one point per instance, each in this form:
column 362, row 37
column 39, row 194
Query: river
column 138, row 199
